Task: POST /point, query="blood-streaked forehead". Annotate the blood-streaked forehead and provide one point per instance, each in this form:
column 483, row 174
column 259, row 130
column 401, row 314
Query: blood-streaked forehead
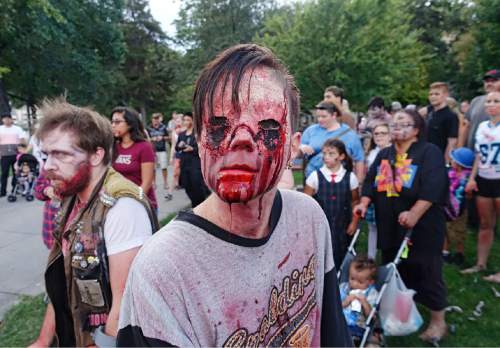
column 261, row 94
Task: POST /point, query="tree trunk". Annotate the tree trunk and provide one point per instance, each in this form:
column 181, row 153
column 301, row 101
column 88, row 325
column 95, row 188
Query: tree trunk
column 4, row 100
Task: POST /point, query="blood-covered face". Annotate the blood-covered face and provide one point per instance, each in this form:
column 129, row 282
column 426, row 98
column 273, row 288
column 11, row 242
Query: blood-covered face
column 244, row 152
column 67, row 166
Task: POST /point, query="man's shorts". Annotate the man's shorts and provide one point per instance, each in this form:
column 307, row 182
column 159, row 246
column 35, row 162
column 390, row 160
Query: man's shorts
column 162, row 159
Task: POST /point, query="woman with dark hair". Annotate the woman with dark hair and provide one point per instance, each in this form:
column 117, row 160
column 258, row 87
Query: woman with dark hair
column 408, row 185
column 134, row 157
column 191, row 178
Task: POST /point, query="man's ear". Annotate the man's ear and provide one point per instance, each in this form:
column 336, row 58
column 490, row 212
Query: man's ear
column 97, row 157
column 295, row 144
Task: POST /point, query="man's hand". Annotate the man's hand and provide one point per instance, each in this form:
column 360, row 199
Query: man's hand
column 49, row 192
column 407, row 219
column 306, row 149
column 360, row 210
column 188, row 148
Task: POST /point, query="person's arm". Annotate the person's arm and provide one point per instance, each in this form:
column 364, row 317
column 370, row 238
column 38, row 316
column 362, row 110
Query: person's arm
column 409, row 218
column 452, row 143
column 359, row 170
column 119, row 265
column 347, row 301
column 423, row 112
column 147, row 175
column 355, row 217
column 471, row 183
column 367, row 307
column 48, row 329
column 308, row 190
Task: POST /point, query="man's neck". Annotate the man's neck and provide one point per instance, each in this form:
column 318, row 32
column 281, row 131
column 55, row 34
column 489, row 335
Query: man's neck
column 334, row 126
column 96, row 176
column 440, row 106
column 248, row 220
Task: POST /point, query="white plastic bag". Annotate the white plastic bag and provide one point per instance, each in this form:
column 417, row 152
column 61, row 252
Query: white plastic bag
column 398, row 313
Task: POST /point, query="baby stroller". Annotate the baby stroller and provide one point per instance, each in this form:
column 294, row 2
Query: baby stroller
column 384, row 275
column 26, row 174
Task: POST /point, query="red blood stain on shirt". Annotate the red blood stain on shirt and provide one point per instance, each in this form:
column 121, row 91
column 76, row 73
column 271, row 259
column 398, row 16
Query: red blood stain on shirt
column 284, row 260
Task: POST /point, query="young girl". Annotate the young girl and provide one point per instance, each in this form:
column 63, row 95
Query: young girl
column 335, row 187
column 381, row 138
column 485, row 180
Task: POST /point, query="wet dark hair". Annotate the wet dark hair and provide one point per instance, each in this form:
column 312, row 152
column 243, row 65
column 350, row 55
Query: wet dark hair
column 362, row 263
column 340, row 146
column 233, row 63
column 376, row 102
column 131, row 117
column 418, row 121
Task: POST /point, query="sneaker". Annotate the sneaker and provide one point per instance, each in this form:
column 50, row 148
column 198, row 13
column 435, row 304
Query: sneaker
column 447, row 257
column 168, row 196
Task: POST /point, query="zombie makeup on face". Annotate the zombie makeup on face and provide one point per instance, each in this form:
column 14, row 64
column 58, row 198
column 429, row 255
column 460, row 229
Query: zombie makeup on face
column 403, row 128
column 69, row 187
column 245, row 144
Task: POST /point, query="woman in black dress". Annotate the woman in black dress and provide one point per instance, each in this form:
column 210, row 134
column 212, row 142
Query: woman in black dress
column 408, row 185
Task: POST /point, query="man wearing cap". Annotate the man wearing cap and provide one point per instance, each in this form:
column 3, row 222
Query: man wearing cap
column 476, row 112
column 10, row 137
column 158, row 133
column 328, row 127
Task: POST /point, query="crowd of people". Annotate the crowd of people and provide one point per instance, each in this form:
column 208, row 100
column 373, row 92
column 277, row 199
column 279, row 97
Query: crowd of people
column 251, row 264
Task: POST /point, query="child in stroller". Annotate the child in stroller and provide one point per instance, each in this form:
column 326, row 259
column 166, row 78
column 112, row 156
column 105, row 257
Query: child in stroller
column 26, row 172
column 370, row 333
column 359, row 295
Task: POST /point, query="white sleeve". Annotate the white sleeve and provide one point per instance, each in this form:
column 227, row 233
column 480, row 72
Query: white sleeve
column 353, row 181
column 312, row 181
column 127, row 226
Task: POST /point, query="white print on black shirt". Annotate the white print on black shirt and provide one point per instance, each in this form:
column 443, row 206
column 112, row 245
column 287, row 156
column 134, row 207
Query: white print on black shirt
column 293, row 332
column 124, row 159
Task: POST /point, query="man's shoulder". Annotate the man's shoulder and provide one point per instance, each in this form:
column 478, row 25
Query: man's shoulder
column 299, row 204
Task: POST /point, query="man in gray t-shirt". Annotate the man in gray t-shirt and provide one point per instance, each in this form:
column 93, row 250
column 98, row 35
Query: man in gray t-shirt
column 251, row 265
column 476, row 113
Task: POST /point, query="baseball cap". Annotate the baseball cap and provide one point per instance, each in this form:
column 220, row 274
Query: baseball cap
column 495, row 74
column 395, row 106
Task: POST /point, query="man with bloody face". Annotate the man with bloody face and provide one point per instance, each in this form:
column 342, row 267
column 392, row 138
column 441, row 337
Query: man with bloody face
column 103, row 221
column 251, row 265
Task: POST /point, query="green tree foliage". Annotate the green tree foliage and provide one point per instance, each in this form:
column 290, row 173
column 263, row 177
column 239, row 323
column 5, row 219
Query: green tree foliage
column 151, row 68
column 59, row 47
column 478, row 50
column 205, row 27
column 365, row 46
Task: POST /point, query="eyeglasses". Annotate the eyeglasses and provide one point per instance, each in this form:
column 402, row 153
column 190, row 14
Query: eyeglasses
column 380, row 133
column 117, row 121
column 401, row 125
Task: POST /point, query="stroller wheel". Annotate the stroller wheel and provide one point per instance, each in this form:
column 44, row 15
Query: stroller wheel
column 29, row 197
column 11, row 198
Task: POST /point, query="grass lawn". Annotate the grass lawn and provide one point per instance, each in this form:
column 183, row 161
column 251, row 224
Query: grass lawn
column 21, row 324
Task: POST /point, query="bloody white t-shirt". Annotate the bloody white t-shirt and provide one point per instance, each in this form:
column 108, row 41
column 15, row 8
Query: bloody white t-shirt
column 195, row 284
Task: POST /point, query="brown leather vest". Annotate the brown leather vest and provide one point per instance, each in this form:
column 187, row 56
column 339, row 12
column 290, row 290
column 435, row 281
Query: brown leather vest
column 78, row 282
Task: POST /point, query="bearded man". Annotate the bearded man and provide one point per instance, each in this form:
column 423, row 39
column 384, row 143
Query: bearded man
column 103, row 221
column 251, row 265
